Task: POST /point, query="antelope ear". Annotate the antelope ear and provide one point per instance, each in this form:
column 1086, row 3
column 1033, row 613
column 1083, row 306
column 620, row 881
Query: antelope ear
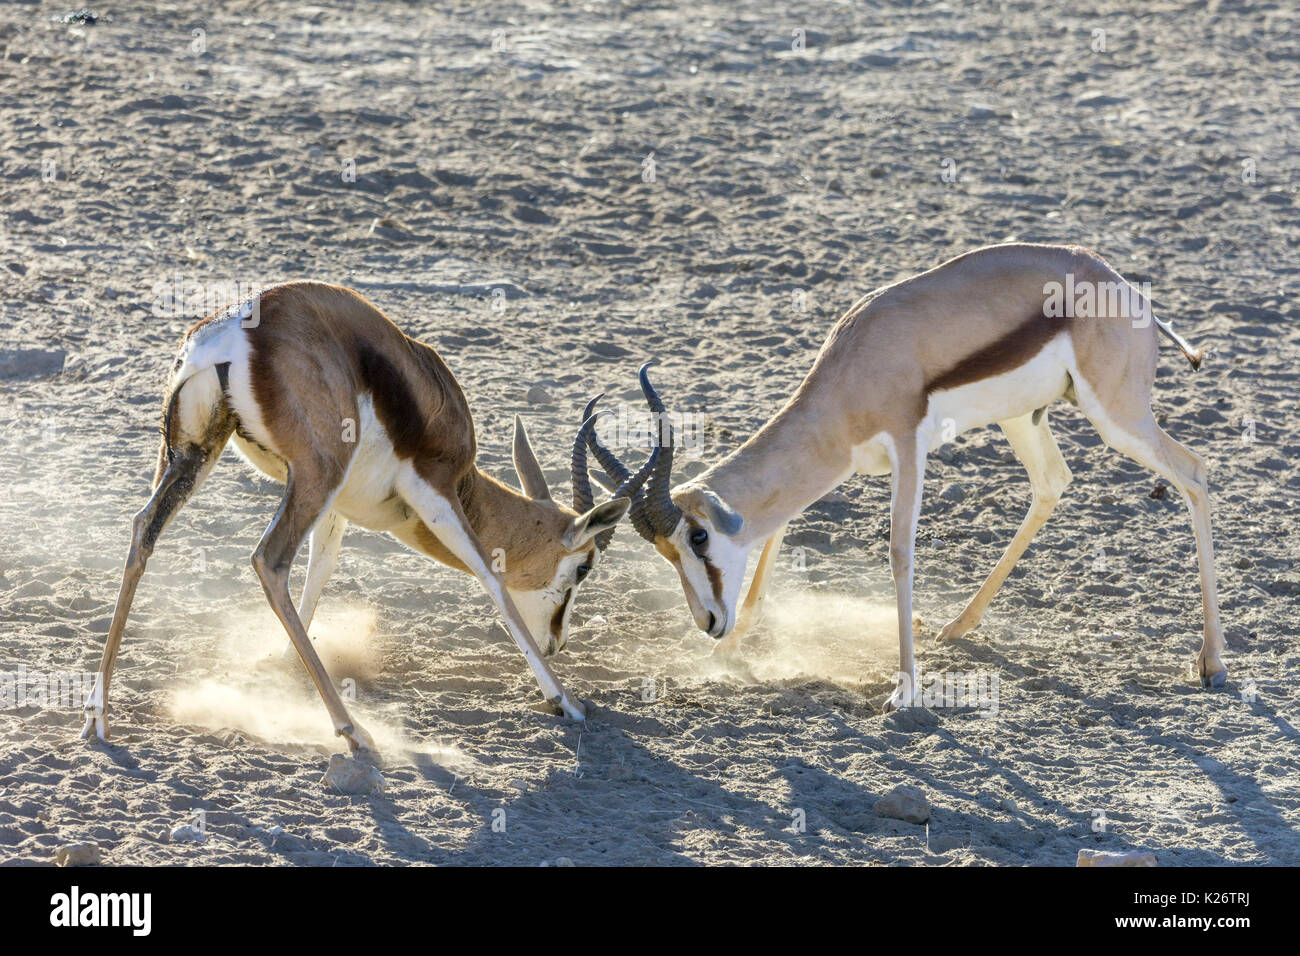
column 724, row 517
column 603, row 517
column 529, row 471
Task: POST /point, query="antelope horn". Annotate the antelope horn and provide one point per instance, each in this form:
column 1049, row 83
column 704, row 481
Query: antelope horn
column 629, row 485
column 663, row 515
column 583, row 500
column 620, row 473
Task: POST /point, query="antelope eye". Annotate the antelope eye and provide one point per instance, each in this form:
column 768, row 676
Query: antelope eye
column 699, row 538
column 582, row 571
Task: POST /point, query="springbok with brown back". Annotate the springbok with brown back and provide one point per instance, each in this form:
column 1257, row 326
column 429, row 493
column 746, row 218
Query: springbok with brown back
column 996, row 335
column 363, row 424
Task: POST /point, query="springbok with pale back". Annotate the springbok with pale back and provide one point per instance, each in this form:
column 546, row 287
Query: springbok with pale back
column 996, row 335
column 363, row 424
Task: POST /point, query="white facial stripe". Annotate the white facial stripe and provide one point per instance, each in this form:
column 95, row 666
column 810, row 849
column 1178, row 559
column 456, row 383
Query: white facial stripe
column 538, row 607
column 728, row 561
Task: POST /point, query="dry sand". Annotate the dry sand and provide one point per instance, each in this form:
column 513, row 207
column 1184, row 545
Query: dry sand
column 516, row 160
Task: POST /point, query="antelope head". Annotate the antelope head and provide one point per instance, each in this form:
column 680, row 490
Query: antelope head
column 690, row 525
column 565, row 543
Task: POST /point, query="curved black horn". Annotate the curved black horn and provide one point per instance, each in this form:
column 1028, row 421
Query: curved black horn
column 582, row 497
column 608, row 460
column 629, row 484
column 630, row 487
column 661, row 511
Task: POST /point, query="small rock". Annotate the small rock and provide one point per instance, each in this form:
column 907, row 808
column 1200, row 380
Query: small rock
column 904, row 803
column 518, row 784
column 539, row 396
column 597, row 621
column 348, row 775
column 78, row 16
column 982, row 113
column 1102, row 858
column 953, row 493
column 389, row 229
column 78, row 854
column 188, row 833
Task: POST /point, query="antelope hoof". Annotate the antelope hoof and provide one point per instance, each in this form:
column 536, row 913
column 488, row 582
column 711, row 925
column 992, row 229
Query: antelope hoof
column 1214, row 681
column 898, row 700
column 96, row 721
column 360, row 744
column 567, row 707
column 954, row 629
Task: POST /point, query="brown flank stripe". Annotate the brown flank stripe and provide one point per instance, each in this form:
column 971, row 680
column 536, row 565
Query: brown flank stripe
column 997, row 358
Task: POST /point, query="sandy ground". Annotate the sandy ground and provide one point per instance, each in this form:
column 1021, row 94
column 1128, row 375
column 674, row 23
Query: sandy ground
column 508, row 146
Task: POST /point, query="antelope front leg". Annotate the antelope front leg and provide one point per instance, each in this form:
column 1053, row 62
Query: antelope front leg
column 905, row 506
column 443, row 515
column 322, row 557
column 304, row 502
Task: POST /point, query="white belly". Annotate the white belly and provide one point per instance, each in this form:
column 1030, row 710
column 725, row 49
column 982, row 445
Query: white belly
column 1039, row 382
column 367, row 496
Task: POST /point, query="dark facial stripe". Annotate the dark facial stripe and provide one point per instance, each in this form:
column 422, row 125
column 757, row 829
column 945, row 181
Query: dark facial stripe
column 715, row 579
column 1009, row 352
column 557, row 619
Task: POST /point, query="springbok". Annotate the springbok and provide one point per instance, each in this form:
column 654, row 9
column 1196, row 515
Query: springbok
column 363, row 424
column 995, row 335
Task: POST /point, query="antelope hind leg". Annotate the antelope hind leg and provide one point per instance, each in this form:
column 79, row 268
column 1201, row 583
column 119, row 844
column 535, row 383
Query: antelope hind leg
column 182, row 476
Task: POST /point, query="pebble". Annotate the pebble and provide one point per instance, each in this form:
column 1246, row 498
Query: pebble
column 78, row 854
column 904, row 803
column 348, row 775
column 188, row 833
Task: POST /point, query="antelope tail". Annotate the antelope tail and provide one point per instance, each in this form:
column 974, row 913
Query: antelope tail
column 1193, row 355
